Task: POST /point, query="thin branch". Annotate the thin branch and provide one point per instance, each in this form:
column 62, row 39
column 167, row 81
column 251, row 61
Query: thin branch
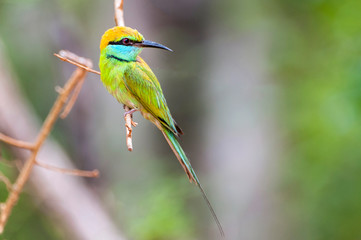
column 128, row 126
column 75, row 58
column 73, row 98
column 73, row 207
column 81, row 62
column 119, row 12
column 119, row 21
column 44, row 132
column 15, row 142
column 75, row 172
column 65, row 59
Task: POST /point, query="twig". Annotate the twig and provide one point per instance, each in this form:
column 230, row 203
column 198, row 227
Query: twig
column 65, row 59
column 75, row 172
column 128, row 126
column 44, row 132
column 72, row 100
column 81, row 62
column 16, row 143
column 118, row 12
column 75, row 58
column 71, row 208
column 119, row 21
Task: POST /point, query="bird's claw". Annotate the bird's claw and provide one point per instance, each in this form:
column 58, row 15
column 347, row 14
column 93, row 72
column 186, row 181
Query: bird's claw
column 134, row 124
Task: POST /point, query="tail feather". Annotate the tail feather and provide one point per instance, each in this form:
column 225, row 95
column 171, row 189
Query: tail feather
column 181, row 156
column 183, row 160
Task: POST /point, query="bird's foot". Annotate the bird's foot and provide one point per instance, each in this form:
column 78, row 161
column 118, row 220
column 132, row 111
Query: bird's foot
column 130, row 112
column 134, row 124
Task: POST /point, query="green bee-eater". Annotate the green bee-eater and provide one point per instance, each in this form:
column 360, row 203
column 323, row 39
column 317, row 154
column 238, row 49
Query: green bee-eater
column 131, row 81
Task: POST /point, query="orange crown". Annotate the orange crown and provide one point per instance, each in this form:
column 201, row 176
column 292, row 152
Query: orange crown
column 117, row 33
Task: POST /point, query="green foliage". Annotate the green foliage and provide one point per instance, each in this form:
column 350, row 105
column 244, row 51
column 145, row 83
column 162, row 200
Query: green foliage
column 318, row 50
column 160, row 213
column 21, row 225
column 158, row 209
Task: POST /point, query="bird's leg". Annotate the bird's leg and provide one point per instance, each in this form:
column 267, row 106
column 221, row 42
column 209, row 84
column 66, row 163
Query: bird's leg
column 130, row 112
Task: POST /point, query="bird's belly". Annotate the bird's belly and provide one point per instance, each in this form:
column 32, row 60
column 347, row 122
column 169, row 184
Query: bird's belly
column 112, row 80
column 123, row 96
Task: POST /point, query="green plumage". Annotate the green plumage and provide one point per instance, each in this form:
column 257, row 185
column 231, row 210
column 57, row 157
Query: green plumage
column 134, row 84
column 131, row 81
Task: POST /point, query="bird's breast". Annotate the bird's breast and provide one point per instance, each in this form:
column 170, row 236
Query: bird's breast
column 112, row 73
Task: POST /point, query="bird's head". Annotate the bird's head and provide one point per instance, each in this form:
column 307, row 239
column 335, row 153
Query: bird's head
column 125, row 43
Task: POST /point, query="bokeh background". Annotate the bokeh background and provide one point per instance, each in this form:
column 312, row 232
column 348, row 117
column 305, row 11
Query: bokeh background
column 267, row 92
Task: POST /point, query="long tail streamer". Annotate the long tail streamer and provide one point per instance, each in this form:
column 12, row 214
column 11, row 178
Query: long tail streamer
column 182, row 158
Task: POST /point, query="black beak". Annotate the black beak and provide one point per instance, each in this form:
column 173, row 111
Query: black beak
column 151, row 44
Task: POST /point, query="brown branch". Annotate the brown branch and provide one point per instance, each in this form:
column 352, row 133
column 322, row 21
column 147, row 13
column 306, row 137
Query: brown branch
column 74, row 85
column 15, row 142
column 73, row 98
column 75, row 58
column 119, row 13
column 81, row 62
column 43, row 134
column 75, row 172
column 18, row 120
column 128, row 126
column 119, row 21
column 66, row 59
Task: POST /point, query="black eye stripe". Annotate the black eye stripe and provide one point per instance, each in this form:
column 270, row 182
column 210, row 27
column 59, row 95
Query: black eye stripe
column 120, row 42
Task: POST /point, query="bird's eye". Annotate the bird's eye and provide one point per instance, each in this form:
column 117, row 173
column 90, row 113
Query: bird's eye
column 125, row 41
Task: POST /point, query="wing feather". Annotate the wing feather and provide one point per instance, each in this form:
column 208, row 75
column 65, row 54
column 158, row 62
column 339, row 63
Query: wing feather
column 144, row 86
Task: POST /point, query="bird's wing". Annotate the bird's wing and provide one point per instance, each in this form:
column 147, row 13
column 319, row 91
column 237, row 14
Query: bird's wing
column 144, row 86
column 143, row 66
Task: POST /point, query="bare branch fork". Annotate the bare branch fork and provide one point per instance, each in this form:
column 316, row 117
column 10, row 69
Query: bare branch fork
column 15, row 189
column 61, row 108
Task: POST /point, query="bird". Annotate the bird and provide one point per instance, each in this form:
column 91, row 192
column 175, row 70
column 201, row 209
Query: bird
column 129, row 79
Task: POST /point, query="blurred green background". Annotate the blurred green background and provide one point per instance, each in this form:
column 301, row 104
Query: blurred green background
column 267, row 92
